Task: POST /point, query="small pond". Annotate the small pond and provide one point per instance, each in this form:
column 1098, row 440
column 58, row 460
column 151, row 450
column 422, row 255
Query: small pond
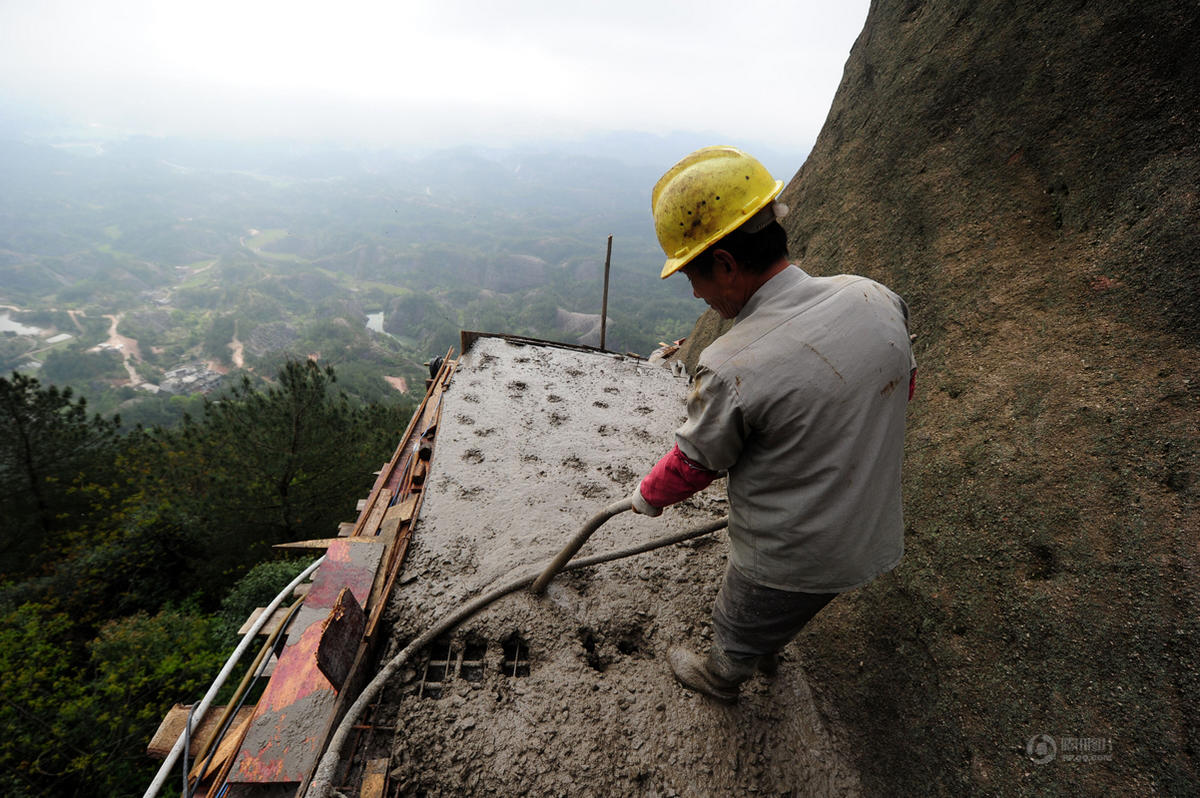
column 8, row 325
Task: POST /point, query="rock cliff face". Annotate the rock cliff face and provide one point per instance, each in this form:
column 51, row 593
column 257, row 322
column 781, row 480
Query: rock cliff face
column 1045, row 144
column 1026, row 175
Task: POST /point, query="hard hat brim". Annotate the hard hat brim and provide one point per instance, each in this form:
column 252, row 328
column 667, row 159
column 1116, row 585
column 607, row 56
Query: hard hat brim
column 673, row 265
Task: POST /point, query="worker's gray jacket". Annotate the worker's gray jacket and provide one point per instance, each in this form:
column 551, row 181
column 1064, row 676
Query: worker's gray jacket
column 803, row 402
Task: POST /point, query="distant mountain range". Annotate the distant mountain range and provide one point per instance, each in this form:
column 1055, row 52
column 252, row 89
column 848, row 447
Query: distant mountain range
column 218, row 236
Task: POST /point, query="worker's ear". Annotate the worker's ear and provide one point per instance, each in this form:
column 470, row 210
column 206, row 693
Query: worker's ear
column 724, row 264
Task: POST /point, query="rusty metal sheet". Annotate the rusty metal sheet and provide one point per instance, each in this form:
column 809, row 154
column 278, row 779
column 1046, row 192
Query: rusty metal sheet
column 291, row 717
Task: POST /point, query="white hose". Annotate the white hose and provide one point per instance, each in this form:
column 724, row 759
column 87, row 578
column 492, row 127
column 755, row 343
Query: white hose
column 198, row 712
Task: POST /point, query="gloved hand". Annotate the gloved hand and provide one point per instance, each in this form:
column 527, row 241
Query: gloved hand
column 643, row 507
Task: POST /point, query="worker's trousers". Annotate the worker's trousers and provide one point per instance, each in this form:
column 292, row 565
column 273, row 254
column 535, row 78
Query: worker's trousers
column 752, row 621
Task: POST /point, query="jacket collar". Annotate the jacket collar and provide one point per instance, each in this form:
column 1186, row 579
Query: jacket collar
column 792, row 275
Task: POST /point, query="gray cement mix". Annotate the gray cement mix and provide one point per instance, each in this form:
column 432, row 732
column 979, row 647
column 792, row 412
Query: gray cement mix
column 570, row 693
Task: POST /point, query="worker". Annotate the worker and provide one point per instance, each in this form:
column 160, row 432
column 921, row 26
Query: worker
column 801, row 404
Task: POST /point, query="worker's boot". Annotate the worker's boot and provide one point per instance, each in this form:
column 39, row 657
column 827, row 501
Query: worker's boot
column 768, row 665
column 715, row 676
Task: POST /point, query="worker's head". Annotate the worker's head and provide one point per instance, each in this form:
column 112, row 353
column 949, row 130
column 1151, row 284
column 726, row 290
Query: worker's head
column 716, row 218
column 728, row 273
column 708, row 195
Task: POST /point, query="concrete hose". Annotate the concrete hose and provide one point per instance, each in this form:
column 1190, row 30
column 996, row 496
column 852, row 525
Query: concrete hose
column 322, row 779
column 556, row 565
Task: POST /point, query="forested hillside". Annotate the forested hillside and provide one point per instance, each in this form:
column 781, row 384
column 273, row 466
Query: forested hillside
column 127, row 562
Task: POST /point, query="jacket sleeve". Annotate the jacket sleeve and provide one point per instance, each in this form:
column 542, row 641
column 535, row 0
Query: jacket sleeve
column 716, row 428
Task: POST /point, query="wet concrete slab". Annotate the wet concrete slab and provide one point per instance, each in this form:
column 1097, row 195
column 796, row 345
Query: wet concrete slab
column 533, row 441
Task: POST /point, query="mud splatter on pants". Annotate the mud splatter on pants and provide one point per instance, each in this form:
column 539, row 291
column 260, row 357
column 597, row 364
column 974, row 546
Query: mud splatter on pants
column 752, row 621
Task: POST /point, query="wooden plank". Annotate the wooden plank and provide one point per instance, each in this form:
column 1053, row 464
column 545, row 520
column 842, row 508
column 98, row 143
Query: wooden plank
column 388, row 531
column 403, row 510
column 389, row 472
column 270, row 626
column 340, row 635
column 228, row 746
column 382, row 500
column 316, row 544
column 172, row 726
column 288, row 730
column 366, row 508
column 388, row 577
column 397, row 551
column 345, row 529
column 426, row 419
column 392, row 475
column 374, row 781
column 467, row 339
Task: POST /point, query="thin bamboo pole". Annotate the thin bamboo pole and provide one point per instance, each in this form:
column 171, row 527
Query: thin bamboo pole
column 604, row 304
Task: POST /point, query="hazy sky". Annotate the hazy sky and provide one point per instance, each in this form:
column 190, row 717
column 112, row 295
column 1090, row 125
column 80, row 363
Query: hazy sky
column 431, row 72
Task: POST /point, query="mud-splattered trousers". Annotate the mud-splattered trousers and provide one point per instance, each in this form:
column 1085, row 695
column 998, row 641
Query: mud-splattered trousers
column 751, row 621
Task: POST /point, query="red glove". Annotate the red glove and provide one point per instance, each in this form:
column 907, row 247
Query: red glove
column 673, row 478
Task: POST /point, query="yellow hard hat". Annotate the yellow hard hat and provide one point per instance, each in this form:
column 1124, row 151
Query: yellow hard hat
column 706, row 196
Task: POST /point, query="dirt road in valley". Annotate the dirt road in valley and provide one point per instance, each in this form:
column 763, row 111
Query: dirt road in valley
column 239, row 351
column 128, row 348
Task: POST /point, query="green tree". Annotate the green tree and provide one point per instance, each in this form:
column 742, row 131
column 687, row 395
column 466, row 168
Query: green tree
column 38, row 666
column 143, row 557
column 77, row 714
column 267, row 466
column 75, row 364
column 141, row 666
column 54, row 462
